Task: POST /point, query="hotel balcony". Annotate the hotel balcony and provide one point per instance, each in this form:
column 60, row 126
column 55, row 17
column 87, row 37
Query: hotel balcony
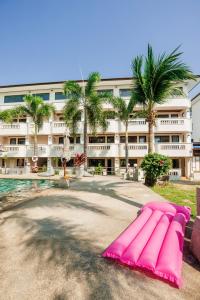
column 134, row 150
column 114, row 126
column 100, row 150
column 174, row 149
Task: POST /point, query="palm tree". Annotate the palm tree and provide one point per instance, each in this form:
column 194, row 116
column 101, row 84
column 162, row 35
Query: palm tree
column 123, row 109
column 88, row 100
column 155, row 80
column 38, row 110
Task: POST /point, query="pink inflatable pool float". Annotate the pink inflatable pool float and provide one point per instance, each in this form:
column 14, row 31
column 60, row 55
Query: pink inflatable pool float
column 154, row 241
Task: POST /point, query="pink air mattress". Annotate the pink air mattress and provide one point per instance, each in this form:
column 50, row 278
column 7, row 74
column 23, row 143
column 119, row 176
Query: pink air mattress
column 154, row 241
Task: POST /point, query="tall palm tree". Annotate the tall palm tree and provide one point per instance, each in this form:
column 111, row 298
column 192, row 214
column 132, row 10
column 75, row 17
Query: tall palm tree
column 38, row 110
column 88, row 100
column 155, row 80
column 123, row 109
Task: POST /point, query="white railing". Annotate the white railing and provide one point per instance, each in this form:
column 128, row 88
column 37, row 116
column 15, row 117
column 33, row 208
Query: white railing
column 175, row 174
column 15, row 150
column 135, row 150
column 174, row 149
column 10, row 126
column 173, row 125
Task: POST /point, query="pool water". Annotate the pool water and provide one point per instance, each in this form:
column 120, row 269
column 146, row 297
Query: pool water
column 8, row 185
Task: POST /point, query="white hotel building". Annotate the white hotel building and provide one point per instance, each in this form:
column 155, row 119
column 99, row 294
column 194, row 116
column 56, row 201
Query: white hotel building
column 172, row 131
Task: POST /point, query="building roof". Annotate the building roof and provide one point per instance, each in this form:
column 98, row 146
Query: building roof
column 60, row 82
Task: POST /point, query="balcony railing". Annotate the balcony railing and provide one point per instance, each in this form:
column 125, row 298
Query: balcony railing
column 174, row 149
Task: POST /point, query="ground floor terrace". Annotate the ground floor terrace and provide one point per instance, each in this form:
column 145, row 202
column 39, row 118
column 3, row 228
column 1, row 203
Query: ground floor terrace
column 181, row 167
column 51, row 246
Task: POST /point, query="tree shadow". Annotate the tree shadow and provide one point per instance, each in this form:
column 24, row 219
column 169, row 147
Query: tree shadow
column 67, row 245
column 106, row 189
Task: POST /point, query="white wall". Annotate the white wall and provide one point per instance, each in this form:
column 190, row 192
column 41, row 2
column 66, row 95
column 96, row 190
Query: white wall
column 196, row 119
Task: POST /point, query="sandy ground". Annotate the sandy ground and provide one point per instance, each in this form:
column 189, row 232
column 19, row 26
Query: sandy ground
column 50, row 246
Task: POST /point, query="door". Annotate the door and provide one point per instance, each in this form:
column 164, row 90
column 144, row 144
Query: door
column 109, row 166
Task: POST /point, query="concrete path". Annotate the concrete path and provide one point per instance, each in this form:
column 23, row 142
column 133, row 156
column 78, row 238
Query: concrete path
column 50, row 246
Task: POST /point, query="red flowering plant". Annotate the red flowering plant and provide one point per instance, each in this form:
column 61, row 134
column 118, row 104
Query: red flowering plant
column 79, row 159
column 155, row 165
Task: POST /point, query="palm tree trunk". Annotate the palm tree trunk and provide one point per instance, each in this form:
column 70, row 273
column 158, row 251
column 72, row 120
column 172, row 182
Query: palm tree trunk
column 150, row 137
column 35, row 141
column 85, row 139
column 126, row 145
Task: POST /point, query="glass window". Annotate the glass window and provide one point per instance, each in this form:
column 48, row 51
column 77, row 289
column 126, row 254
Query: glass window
column 44, row 96
column 110, row 139
column 132, row 139
column 22, row 120
column 175, row 163
column 13, row 141
column 175, row 138
column 174, row 115
column 162, row 139
column 142, row 139
column 60, row 96
column 97, row 139
column 122, row 139
column 61, row 140
column 130, row 161
column 124, row 93
column 96, row 162
column 162, row 116
column 78, row 140
column 14, row 98
column 21, row 141
column 109, row 91
column 20, row 162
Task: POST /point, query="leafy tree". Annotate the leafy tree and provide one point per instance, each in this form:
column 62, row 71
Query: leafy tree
column 155, row 165
column 88, row 100
column 38, row 110
column 123, row 109
column 155, row 80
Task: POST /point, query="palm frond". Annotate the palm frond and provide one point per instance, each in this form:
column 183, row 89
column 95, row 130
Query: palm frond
column 92, row 81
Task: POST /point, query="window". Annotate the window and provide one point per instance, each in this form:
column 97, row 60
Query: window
column 14, row 98
column 44, row 96
column 142, row 139
column 61, row 140
column 21, row 141
column 174, row 115
column 77, row 139
column 175, row 163
column 20, row 162
column 22, row 120
column 162, row 139
column 131, row 139
column 60, row 96
column 109, row 91
column 130, row 161
column 124, row 93
column 110, row 139
column 97, row 139
column 96, row 162
column 175, row 138
column 162, row 116
column 13, row 141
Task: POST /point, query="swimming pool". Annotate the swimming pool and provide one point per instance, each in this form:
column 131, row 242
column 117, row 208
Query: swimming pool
column 9, row 185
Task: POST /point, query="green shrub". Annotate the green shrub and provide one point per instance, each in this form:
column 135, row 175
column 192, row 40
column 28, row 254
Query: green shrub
column 57, row 172
column 155, row 165
column 99, row 169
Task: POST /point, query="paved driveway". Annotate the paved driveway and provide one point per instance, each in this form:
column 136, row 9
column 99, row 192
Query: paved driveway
column 50, row 246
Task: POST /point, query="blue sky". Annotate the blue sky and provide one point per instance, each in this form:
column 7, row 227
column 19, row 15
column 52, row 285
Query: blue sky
column 50, row 40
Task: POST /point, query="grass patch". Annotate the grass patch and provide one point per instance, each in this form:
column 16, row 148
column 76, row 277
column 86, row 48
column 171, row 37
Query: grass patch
column 179, row 194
